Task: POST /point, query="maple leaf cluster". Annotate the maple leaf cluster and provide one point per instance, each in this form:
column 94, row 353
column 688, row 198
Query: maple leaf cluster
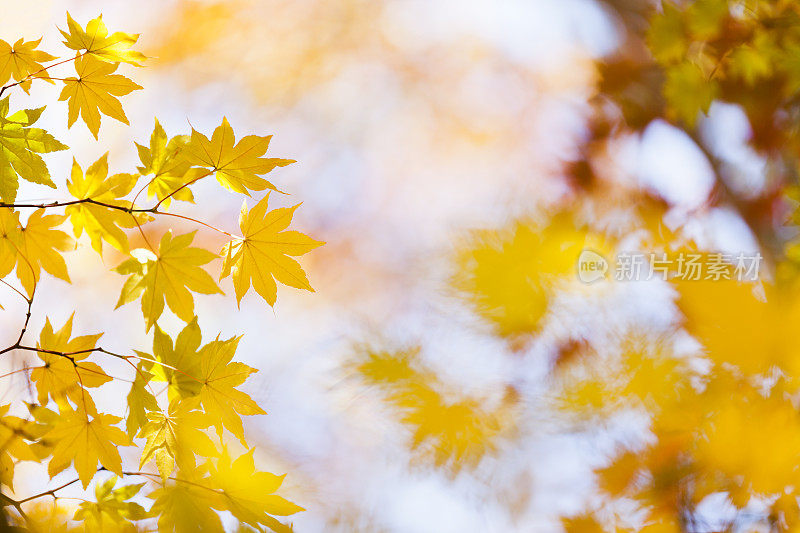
column 182, row 432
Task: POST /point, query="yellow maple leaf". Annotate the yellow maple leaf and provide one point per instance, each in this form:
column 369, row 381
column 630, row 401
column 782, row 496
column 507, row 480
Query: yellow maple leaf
column 111, row 511
column 220, row 377
column 247, row 493
column 184, row 507
column 102, row 223
column 21, row 60
column 83, row 440
column 140, row 399
column 96, row 41
column 167, row 276
column 262, row 256
column 66, row 377
column 180, row 364
column 688, row 92
column 163, row 159
column 667, row 38
column 40, row 247
column 205, row 373
column 643, row 372
column 175, row 437
column 94, row 91
column 20, row 146
column 452, row 430
column 618, row 476
column 10, row 237
column 14, row 432
column 237, row 166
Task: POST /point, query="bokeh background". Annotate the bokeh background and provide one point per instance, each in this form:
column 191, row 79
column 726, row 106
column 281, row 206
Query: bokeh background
column 414, row 123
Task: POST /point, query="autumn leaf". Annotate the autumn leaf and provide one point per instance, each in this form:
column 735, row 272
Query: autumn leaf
column 705, row 18
column 21, row 60
column 237, row 166
column 100, row 222
column 750, row 64
column 206, row 373
column 15, row 432
column 40, row 248
column 738, row 327
column 452, row 431
column 84, row 441
column 219, row 377
column 94, row 91
column 20, row 146
column 185, row 507
column 666, row 36
column 180, row 364
column 167, row 276
column 262, row 256
column 10, row 240
column 615, row 478
column 111, row 511
column 65, row 377
column 247, row 493
column 96, row 41
column 140, row 399
column 175, row 437
column 689, row 92
column 764, row 461
column 171, row 172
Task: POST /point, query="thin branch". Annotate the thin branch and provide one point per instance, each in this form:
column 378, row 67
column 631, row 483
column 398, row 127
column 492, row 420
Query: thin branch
column 51, row 492
column 14, row 503
column 25, row 324
column 27, row 317
column 131, row 210
column 13, row 288
column 70, row 356
column 184, row 217
column 179, row 480
column 32, row 75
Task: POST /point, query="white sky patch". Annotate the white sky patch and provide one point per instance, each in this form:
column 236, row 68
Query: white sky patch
column 728, row 132
column 722, row 230
column 537, row 32
column 674, row 167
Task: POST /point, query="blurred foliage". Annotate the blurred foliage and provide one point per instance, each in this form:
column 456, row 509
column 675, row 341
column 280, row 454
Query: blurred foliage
column 448, row 428
column 511, row 274
column 722, row 417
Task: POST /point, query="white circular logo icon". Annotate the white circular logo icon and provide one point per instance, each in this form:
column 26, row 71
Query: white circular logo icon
column 591, row 266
